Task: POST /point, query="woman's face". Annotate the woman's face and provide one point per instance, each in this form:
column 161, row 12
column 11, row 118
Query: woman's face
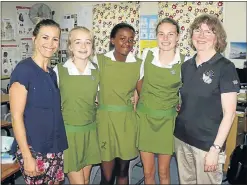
column 81, row 44
column 167, row 36
column 204, row 38
column 123, row 41
column 47, row 41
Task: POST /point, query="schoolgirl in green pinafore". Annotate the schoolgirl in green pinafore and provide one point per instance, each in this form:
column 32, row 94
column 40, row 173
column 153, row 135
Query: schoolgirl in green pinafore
column 78, row 93
column 156, row 108
column 116, row 119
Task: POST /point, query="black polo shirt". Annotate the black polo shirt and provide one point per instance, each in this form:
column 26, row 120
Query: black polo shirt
column 201, row 111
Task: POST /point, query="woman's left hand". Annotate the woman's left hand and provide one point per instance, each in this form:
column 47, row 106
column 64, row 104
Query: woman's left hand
column 211, row 160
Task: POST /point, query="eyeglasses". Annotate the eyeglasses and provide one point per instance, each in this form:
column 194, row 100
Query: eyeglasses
column 206, row 33
column 125, row 40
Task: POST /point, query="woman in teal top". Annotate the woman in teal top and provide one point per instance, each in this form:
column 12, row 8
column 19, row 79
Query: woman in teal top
column 158, row 99
column 78, row 82
column 116, row 119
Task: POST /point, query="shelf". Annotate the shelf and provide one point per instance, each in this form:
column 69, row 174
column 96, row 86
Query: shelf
column 5, row 77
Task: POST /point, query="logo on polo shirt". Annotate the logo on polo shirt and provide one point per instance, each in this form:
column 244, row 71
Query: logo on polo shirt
column 208, row 76
column 93, row 78
column 235, row 82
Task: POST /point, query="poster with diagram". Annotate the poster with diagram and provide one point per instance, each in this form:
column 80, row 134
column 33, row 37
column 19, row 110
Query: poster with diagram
column 10, row 58
column 24, row 24
column 26, row 48
column 7, row 29
column 147, row 31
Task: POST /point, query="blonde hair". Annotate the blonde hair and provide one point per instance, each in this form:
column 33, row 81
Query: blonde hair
column 81, row 28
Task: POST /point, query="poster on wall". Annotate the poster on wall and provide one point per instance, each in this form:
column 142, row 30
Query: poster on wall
column 68, row 22
column 7, row 29
column 26, row 47
column 147, row 31
column 24, row 24
column 238, row 50
column 9, row 58
column 85, row 17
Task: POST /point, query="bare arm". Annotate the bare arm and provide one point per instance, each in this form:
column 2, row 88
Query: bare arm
column 139, row 86
column 229, row 103
column 18, row 96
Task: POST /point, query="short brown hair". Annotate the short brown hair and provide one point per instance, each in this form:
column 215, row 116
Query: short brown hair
column 82, row 28
column 215, row 25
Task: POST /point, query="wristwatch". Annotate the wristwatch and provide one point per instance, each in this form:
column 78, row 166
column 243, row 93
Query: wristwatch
column 218, row 147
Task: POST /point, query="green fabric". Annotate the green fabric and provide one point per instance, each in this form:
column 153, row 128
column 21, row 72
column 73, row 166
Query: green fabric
column 117, row 129
column 115, row 108
column 78, row 93
column 156, row 113
column 83, row 128
column 156, row 107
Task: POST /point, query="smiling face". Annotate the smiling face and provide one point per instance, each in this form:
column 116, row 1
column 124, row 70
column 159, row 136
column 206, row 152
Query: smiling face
column 47, row 41
column 167, row 36
column 203, row 38
column 123, row 42
column 81, row 44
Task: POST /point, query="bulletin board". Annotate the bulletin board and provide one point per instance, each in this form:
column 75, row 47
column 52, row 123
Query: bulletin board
column 185, row 13
column 106, row 16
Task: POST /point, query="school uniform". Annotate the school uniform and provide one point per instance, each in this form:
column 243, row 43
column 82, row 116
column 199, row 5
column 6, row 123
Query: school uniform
column 78, row 93
column 156, row 108
column 116, row 119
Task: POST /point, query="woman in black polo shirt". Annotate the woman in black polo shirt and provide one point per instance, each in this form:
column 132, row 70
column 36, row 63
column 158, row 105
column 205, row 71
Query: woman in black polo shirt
column 36, row 112
column 209, row 94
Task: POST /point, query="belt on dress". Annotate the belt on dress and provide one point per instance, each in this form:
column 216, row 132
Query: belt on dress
column 156, row 112
column 80, row 128
column 116, row 108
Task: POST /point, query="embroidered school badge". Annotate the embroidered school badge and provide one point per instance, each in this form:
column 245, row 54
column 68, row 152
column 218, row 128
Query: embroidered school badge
column 93, row 78
column 207, row 77
column 173, row 72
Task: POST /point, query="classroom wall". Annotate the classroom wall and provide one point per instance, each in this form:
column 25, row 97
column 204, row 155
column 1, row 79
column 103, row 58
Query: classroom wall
column 234, row 16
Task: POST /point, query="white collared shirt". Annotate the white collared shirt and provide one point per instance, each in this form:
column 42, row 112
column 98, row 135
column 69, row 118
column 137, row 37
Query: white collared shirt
column 130, row 57
column 72, row 70
column 156, row 61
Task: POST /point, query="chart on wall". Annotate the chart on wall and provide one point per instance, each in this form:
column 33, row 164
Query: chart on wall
column 148, row 25
column 185, row 13
column 106, row 16
column 26, row 48
column 24, row 24
column 7, row 29
column 10, row 57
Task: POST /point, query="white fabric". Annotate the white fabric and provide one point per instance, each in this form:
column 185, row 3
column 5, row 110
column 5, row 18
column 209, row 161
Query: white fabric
column 156, row 60
column 72, row 70
column 130, row 58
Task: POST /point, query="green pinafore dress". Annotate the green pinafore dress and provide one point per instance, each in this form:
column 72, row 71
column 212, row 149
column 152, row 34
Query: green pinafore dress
column 156, row 109
column 78, row 94
column 116, row 119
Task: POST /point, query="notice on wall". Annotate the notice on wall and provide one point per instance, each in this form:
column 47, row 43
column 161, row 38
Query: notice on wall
column 10, row 58
column 147, row 31
column 26, row 48
column 68, row 22
column 7, row 29
column 85, row 17
column 24, row 24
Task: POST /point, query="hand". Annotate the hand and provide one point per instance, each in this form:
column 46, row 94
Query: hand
column 211, row 160
column 178, row 107
column 30, row 167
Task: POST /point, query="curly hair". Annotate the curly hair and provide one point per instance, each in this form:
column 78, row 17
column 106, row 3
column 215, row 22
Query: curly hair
column 215, row 25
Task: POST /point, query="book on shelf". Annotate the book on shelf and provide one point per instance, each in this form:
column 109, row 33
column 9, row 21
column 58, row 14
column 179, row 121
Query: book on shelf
column 7, row 158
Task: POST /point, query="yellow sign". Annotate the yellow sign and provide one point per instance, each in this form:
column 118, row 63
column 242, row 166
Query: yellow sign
column 147, row 44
